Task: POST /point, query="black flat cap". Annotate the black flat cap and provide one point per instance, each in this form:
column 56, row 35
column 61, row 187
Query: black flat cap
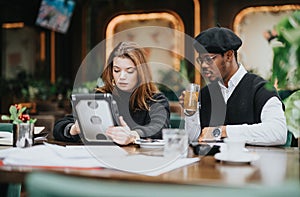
column 217, row 40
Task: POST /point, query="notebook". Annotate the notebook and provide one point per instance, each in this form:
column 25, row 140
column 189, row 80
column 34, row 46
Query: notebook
column 95, row 112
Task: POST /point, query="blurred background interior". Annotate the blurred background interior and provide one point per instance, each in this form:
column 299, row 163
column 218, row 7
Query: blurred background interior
column 44, row 42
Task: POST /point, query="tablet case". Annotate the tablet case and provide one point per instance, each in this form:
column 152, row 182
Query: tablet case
column 95, row 113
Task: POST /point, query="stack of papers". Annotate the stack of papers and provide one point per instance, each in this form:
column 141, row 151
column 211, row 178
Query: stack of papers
column 112, row 157
column 6, row 138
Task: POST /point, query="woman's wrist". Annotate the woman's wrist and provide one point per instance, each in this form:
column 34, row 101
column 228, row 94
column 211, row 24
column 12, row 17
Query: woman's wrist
column 73, row 130
column 134, row 136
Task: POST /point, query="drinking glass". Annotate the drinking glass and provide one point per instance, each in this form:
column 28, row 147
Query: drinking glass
column 23, row 135
column 176, row 143
column 191, row 97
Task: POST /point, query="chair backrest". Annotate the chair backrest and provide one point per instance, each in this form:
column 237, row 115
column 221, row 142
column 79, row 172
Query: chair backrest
column 289, row 139
column 9, row 189
column 48, row 185
column 6, row 127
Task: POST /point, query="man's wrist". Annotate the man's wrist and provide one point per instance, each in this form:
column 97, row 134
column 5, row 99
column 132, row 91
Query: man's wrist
column 224, row 133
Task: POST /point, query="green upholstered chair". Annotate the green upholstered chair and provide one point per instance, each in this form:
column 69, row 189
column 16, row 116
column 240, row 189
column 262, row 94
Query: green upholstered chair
column 10, row 190
column 7, row 189
column 176, row 121
column 42, row 184
column 6, row 127
column 289, row 139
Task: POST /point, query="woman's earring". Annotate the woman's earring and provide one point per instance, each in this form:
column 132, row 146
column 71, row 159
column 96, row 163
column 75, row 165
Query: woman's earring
column 113, row 82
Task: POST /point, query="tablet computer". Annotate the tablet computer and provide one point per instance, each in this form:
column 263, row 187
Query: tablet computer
column 95, row 112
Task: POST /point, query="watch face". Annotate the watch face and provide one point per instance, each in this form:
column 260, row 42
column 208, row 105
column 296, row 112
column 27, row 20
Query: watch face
column 216, row 132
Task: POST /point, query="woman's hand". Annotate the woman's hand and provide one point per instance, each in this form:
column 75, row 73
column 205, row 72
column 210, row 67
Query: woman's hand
column 75, row 130
column 122, row 134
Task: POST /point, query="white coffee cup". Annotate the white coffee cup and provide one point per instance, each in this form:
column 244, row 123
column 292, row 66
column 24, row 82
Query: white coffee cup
column 234, row 146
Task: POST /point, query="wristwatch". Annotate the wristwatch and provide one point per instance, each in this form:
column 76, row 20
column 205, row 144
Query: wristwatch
column 217, row 132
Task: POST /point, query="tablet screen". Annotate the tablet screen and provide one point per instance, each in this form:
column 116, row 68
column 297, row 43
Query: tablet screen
column 95, row 113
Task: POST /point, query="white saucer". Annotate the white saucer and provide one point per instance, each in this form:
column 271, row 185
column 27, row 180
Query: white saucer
column 151, row 144
column 245, row 157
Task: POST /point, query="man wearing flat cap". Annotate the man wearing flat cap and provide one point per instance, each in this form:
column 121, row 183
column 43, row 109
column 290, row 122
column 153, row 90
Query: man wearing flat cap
column 234, row 103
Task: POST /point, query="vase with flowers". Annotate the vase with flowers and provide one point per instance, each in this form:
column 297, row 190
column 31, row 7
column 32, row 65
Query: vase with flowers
column 23, row 126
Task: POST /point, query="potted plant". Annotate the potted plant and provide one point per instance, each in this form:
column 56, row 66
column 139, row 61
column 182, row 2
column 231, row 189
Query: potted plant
column 285, row 41
column 23, row 126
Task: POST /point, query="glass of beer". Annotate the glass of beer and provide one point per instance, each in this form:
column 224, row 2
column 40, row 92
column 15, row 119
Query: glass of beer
column 191, row 98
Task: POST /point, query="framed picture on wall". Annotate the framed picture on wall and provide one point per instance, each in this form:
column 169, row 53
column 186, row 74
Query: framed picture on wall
column 55, row 14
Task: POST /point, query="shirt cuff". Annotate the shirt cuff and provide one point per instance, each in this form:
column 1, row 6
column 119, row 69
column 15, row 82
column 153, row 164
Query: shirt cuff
column 192, row 126
column 67, row 130
column 67, row 134
column 234, row 131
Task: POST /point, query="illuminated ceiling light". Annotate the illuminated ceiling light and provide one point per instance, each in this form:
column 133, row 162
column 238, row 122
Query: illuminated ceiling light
column 12, row 25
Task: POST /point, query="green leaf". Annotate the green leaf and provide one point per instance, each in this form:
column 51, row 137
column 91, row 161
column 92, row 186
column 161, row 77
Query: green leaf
column 21, row 111
column 13, row 112
column 13, row 109
column 17, row 121
column 292, row 113
column 5, row 117
column 32, row 120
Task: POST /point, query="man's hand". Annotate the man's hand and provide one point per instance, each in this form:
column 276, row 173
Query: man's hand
column 181, row 98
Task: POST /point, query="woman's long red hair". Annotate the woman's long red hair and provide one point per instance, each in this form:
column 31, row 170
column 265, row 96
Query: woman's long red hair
column 145, row 87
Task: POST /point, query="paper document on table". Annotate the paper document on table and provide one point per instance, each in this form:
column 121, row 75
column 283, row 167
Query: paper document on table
column 115, row 157
column 154, row 166
column 96, row 151
column 112, row 157
column 43, row 155
column 38, row 130
column 176, row 164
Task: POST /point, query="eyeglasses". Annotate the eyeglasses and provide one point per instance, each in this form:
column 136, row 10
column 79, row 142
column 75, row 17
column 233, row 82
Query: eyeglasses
column 207, row 59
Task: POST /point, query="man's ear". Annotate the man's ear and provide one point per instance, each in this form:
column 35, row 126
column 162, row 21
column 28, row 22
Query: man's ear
column 229, row 55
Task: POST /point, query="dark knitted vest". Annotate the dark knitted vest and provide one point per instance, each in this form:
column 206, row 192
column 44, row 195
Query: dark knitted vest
column 244, row 106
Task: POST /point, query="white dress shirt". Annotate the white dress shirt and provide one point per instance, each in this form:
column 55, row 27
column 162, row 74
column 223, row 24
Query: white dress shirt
column 271, row 131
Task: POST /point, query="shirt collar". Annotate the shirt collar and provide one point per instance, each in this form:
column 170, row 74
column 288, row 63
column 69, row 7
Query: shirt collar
column 237, row 77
